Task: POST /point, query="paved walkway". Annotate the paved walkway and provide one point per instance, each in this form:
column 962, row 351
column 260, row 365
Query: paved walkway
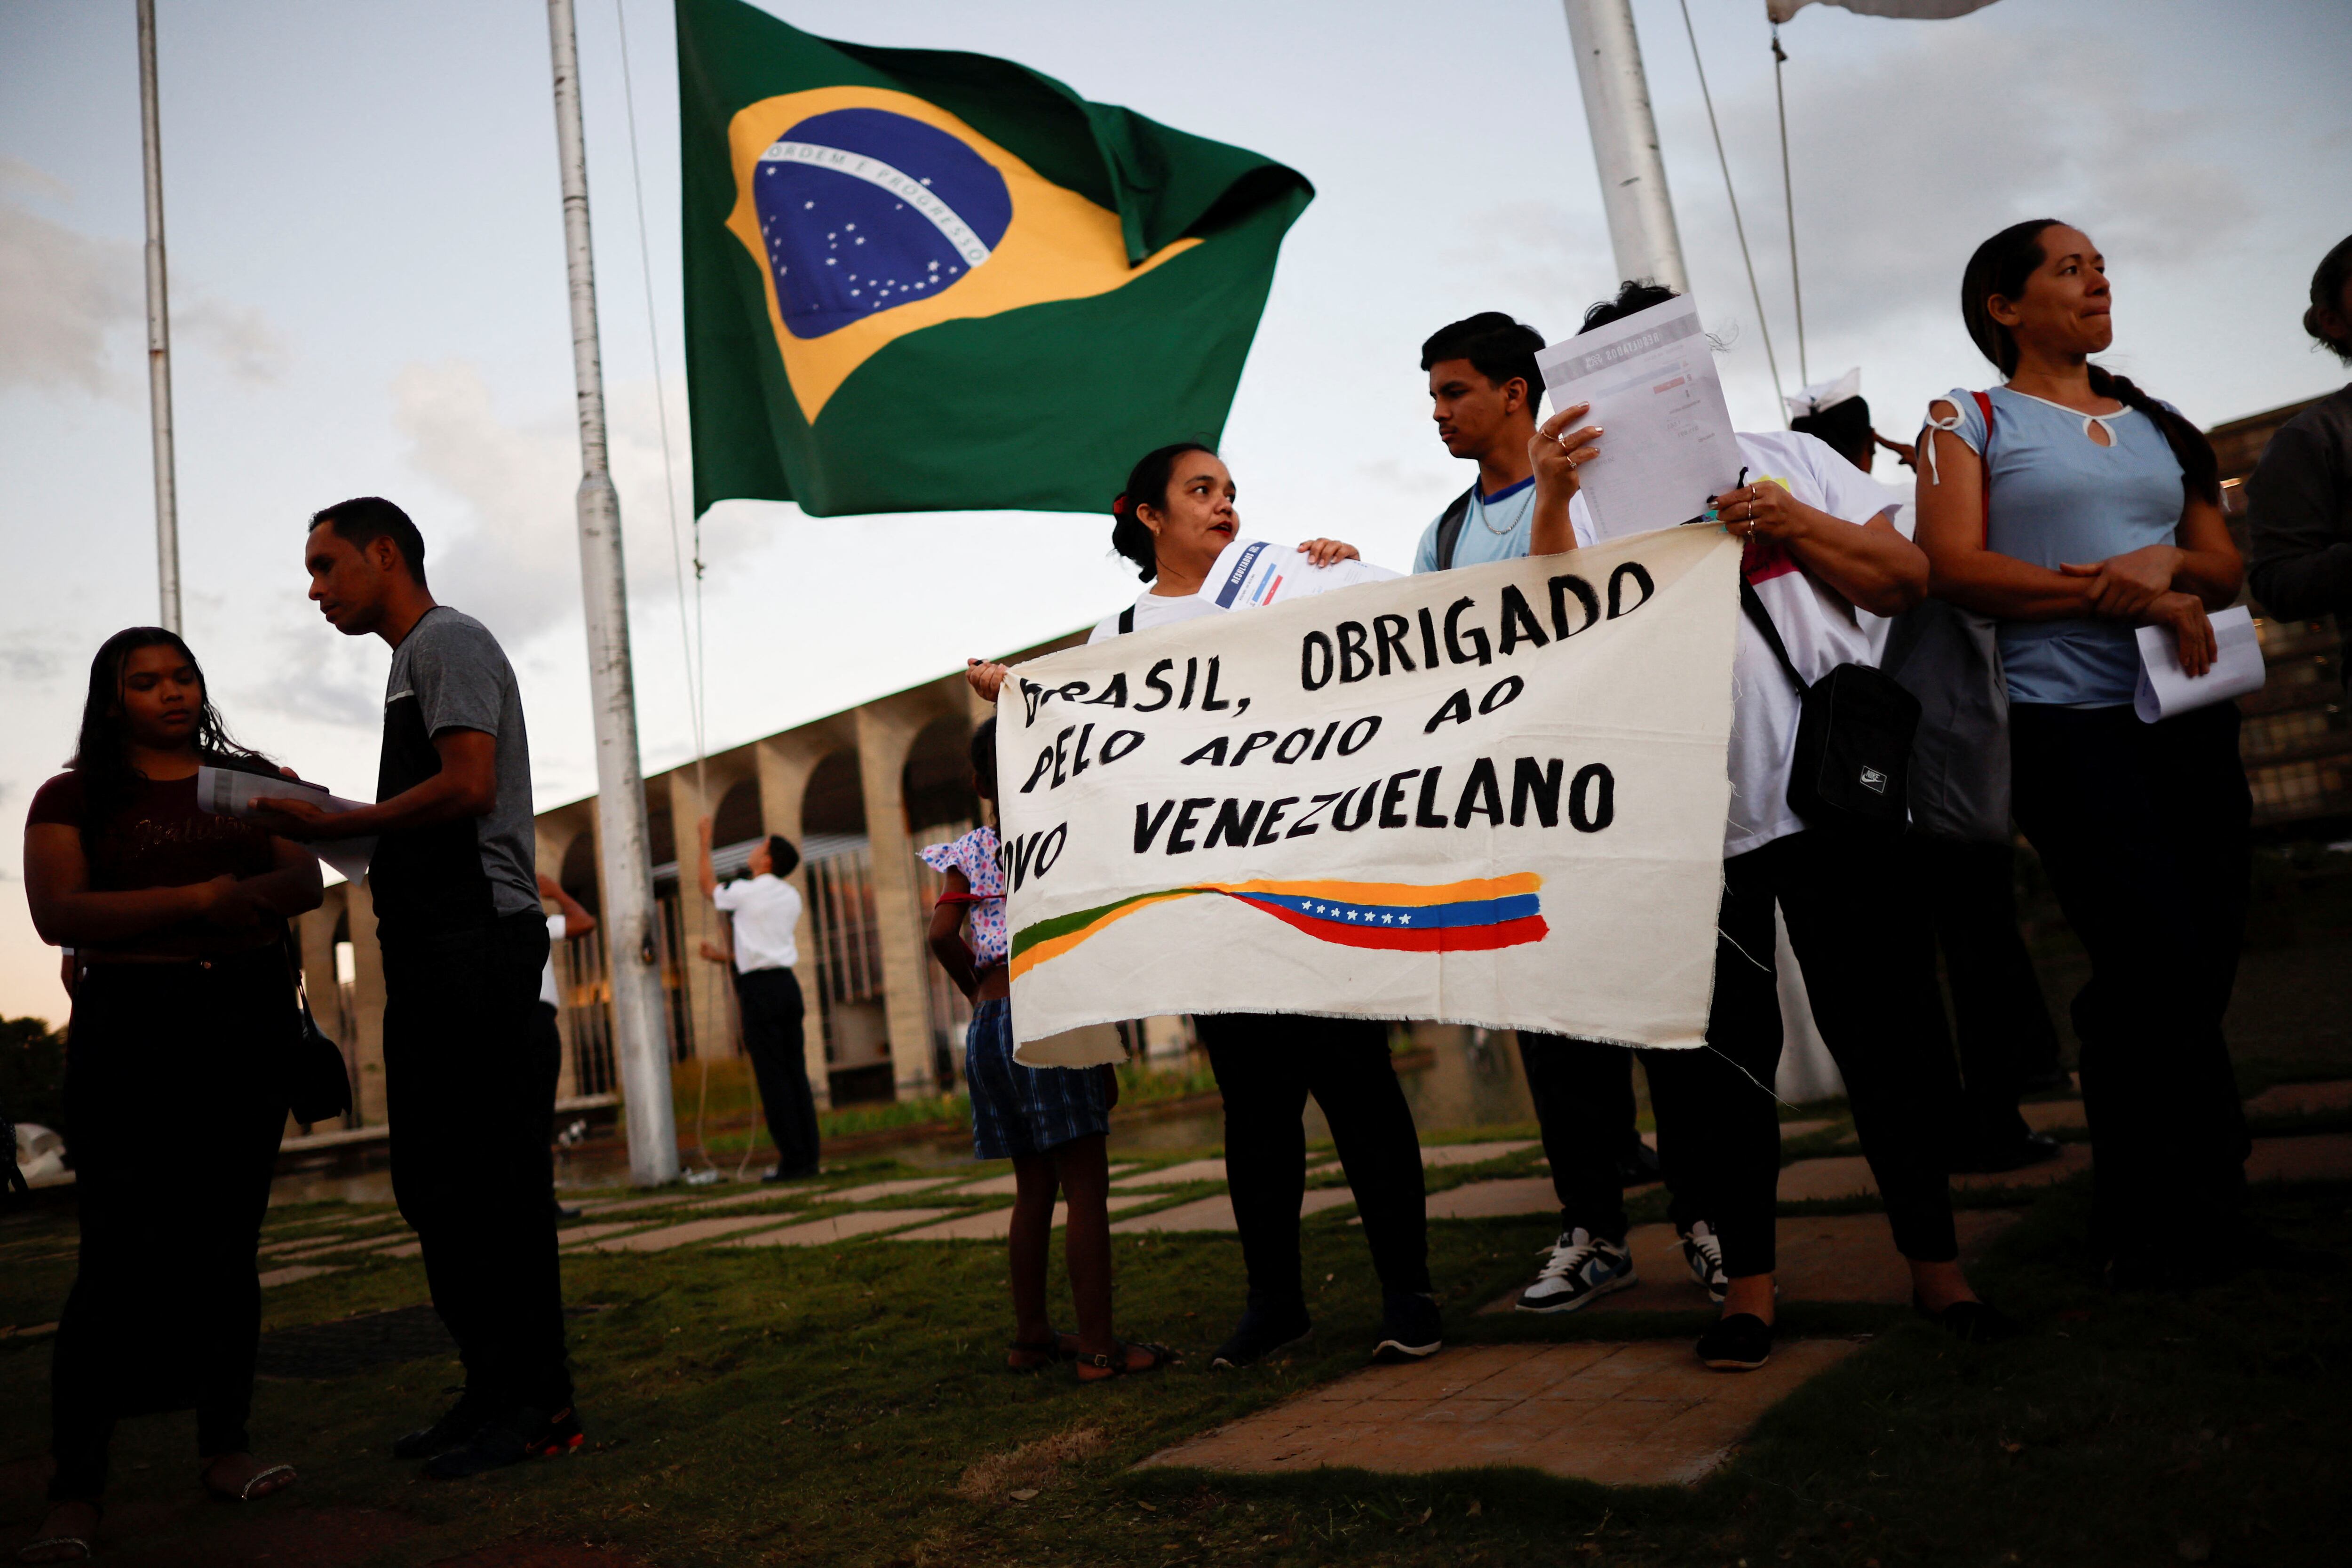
column 1644, row 1413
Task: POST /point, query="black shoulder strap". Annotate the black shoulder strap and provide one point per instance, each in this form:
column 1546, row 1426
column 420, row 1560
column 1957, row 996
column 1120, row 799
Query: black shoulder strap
column 1126, row 620
column 1449, row 527
column 1754, row 605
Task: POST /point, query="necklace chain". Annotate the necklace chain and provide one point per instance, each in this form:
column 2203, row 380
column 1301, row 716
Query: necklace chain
column 1480, row 502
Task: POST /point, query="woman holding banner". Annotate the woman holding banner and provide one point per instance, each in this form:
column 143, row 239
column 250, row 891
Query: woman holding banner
column 1174, row 519
column 1819, row 545
column 2076, row 508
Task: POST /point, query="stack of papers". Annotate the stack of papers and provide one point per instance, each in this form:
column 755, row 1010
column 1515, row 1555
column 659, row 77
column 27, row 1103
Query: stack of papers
column 228, row 793
column 2164, row 688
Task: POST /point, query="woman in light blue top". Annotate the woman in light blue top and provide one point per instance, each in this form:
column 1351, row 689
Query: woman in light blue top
column 2077, row 509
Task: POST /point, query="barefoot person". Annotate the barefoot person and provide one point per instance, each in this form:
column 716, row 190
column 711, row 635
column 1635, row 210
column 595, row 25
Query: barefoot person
column 455, row 888
column 175, row 1082
column 1175, row 516
column 2074, row 508
column 1051, row 1122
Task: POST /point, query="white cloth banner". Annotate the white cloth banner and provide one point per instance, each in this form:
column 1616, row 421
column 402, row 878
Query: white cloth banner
column 1493, row 795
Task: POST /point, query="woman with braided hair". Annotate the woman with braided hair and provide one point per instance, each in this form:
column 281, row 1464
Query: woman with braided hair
column 2076, row 509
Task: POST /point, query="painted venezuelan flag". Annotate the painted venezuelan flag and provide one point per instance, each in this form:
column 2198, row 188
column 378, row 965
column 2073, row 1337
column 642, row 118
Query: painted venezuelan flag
column 1450, row 917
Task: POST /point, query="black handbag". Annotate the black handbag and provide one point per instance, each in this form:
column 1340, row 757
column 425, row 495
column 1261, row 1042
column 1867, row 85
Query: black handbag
column 1852, row 771
column 318, row 1080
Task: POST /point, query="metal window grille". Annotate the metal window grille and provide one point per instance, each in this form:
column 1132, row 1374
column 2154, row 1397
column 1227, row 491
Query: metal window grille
column 848, row 940
column 951, row 1014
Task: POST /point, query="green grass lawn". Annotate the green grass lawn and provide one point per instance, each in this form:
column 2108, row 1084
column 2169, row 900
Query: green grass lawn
column 826, row 1406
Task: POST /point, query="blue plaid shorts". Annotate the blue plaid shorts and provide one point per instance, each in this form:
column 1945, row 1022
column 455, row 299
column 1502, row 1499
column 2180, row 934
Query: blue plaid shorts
column 1019, row 1110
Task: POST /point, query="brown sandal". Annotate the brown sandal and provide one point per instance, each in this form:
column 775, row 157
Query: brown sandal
column 1103, row 1368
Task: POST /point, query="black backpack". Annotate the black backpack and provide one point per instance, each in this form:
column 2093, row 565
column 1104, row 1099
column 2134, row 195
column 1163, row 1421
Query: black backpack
column 1449, row 528
column 1855, row 725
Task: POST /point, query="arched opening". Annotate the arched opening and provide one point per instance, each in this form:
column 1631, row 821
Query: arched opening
column 834, row 800
column 937, row 783
column 578, row 877
column 737, row 817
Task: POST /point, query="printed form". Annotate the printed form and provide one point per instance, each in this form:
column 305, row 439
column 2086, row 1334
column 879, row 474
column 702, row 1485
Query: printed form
column 1666, row 444
column 2164, row 688
column 1250, row 572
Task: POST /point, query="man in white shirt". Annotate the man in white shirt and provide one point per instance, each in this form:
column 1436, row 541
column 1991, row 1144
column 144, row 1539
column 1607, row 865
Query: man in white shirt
column 546, row 1034
column 766, row 914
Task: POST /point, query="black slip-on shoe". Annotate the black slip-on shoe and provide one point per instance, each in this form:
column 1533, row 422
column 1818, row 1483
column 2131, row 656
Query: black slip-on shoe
column 1411, row 1330
column 457, row 1425
column 522, row 1433
column 1262, row 1330
column 1739, row 1342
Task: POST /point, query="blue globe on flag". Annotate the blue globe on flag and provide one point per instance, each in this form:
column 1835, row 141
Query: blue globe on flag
column 862, row 210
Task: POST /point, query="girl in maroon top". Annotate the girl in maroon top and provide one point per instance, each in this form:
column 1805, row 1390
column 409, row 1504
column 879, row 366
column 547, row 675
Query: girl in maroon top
column 183, row 1023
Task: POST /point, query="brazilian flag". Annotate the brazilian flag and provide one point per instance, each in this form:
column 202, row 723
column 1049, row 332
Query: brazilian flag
column 919, row 281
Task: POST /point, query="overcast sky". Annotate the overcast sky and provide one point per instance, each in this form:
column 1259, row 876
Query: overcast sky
column 368, row 290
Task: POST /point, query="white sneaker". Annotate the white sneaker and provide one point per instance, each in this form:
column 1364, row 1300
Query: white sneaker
column 1582, row 1267
column 1703, row 1251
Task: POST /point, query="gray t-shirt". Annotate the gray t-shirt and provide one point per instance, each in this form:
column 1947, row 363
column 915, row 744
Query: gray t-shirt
column 449, row 673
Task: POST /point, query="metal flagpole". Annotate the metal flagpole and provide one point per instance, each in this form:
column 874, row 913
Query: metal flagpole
column 159, row 331
column 1626, row 142
column 632, row 951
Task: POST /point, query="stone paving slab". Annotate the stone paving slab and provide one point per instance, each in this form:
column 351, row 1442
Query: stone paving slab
column 1438, row 1156
column 838, row 1227
column 271, row 1249
column 1209, row 1170
column 579, row 1232
column 2302, row 1099
column 1489, row 1199
column 2322, row 1157
column 631, row 1206
column 871, row 1191
column 670, row 1235
column 292, row 1272
column 990, row 1225
column 1788, row 1130
column 401, row 1250
column 1847, row 1258
column 2054, row 1115
column 1848, row 1176
column 1217, row 1212
column 1644, row 1414
column 778, row 1193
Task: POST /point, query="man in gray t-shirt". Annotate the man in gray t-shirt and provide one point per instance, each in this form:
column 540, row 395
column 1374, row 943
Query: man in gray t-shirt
column 457, row 915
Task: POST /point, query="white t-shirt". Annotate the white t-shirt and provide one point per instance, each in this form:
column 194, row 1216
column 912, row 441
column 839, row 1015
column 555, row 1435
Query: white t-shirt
column 1906, row 523
column 767, row 912
column 1819, row 628
column 556, row 928
column 1157, row 610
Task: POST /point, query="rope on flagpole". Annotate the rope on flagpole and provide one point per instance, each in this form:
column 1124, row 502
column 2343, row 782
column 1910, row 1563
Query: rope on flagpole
column 690, row 647
column 1788, row 199
column 1737, row 227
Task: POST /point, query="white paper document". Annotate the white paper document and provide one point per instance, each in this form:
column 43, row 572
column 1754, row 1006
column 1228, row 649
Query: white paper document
column 1250, row 572
column 1666, row 443
column 225, row 791
column 2166, row 690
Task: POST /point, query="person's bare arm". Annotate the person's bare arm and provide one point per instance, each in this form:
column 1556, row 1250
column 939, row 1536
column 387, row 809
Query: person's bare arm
column 947, row 936
column 1557, row 452
column 1952, row 534
column 577, row 921
column 467, row 786
column 1874, row 566
column 703, row 870
column 68, row 914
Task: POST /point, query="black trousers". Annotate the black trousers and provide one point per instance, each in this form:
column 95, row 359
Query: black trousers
column 546, row 1061
column 1969, row 891
column 175, row 1100
column 1266, row 1065
column 772, row 1038
column 1869, row 969
column 2144, row 829
column 466, row 1093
